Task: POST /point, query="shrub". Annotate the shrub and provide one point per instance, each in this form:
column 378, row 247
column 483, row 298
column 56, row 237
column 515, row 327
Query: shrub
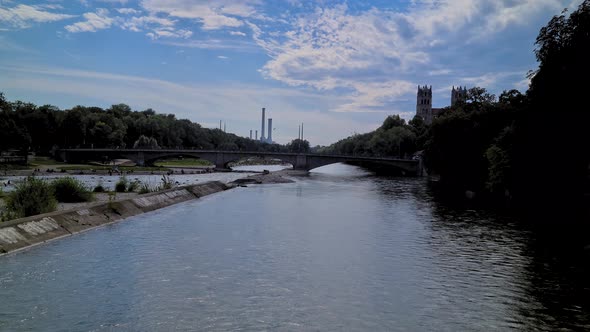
column 133, row 185
column 145, row 188
column 70, row 190
column 167, row 182
column 99, row 188
column 30, row 197
column 121, row 185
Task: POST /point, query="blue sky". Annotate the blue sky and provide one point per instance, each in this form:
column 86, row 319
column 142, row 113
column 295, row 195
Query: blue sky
column 340, row 67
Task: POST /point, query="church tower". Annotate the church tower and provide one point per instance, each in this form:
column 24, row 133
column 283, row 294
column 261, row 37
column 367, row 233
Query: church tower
column 458, row 95
column 424, row 103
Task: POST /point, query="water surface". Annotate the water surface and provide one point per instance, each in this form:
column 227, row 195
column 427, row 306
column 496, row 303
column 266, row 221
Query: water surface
column 339, row 250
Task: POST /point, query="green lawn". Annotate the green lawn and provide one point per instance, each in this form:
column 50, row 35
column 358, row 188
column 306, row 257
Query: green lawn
column 40, row 161
column 182, row 162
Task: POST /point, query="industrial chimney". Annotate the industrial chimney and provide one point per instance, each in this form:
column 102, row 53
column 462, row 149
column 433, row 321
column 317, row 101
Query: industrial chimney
column 262, row 131
column 257, row 135
column 269, row 138
column 250, row 133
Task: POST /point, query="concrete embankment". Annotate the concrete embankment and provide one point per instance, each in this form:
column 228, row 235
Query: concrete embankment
column 29, row 231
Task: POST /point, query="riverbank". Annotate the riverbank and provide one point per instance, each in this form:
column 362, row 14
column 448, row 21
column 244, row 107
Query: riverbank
column 73, row 218
column 26, row 232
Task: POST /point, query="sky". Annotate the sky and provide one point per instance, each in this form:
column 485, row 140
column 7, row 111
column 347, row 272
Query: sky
column 339, row 67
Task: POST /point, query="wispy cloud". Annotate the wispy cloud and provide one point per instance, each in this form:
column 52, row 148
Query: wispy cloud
column 23, row 16
column 94, row 21
column 212, row 15
column 127, row 11
column 167, row 32
column 215, row 44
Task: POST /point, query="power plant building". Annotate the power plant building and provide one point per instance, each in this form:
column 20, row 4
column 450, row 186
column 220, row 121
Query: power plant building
column 267, row 139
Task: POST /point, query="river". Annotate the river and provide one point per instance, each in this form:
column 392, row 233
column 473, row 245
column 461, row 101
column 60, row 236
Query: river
column 339, row 249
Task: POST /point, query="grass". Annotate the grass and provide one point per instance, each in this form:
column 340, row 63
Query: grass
column 13, row 167
column 43, row 161
column 182, row 162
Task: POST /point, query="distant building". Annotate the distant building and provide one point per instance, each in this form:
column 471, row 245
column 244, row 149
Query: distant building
column 424, row 102
column 459, row 94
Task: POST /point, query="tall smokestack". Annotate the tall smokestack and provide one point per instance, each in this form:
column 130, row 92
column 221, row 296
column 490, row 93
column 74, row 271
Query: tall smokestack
column 257, row 135
column 250, row 133
column 302, row 131
column 224, row 127
column 299, row 132
column 262, row 131
column 219, row 124
column 269, row 131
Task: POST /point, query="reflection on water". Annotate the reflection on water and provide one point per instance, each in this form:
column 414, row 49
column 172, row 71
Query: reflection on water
column 341, row 249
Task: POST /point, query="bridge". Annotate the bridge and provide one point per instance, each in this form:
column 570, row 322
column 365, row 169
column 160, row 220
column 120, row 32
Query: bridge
column 221, row 159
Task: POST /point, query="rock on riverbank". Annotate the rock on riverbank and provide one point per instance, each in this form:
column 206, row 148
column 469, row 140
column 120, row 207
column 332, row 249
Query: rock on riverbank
column 268, row 177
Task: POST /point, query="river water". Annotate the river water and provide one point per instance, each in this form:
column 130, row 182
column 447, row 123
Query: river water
column 337, row 250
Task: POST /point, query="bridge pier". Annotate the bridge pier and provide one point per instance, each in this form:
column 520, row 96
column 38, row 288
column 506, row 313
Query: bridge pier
column 140, row 159
column 301, row 162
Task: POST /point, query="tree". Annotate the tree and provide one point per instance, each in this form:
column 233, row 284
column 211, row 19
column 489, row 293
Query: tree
column 144, row 142
column 298, row 145
column 552, row 140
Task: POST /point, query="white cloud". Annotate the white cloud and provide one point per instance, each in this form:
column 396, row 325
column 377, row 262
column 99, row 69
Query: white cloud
column 237, row 33
column 213, row 15
column 127, row 11
column 223, row 57
column 331, row 49
column 94, row 22
column 492, row 79
column 139, row 23
column 122, row 2
column 166, row 32
column 214, row 44
column 22, row 16
column 438, row 72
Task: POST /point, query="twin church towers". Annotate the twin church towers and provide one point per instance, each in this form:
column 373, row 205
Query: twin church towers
column 424, row 101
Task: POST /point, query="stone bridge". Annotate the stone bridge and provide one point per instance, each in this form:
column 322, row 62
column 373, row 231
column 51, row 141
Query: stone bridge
column 221, row 159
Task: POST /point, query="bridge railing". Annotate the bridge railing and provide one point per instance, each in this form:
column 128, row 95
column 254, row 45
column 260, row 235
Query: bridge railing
column 180, row 151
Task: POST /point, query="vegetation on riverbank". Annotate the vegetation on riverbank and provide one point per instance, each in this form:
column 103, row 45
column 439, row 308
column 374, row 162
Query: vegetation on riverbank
column 36, row 196
column 32, row 196
column 70, row 190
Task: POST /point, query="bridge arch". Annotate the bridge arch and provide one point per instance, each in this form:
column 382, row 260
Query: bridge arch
column 151, row 160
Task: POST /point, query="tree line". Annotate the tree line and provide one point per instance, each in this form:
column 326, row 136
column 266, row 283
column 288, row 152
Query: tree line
column 27, row 127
